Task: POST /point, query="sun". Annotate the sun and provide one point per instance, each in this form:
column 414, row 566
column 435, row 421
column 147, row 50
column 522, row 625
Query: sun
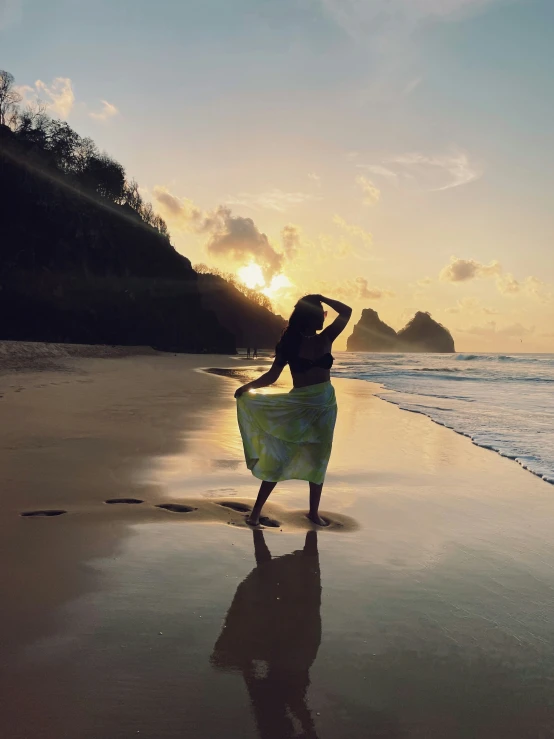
column 252, row 276
column 279, row 282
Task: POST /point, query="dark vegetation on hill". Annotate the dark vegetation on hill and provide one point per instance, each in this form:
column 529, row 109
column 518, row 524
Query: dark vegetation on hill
column 84, row 259
column 421, row 334
column 245, row 313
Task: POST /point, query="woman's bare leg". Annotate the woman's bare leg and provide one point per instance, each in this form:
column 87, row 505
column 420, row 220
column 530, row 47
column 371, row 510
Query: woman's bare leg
column 266, row 489
column 315, row 497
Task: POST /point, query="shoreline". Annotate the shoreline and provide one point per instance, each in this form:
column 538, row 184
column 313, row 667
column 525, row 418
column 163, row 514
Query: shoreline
column 460, row 433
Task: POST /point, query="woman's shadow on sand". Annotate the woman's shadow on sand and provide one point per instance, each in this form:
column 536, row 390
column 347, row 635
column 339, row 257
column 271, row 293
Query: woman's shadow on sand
column 272, row 635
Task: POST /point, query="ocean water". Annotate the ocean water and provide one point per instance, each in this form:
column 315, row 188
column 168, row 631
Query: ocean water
column 503, row 402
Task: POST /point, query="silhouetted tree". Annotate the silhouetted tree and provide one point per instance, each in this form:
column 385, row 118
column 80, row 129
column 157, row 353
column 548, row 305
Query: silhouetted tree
column 104, row 176
column 132, row 196
column 55, row 148
column 83, row 153
column 9, row 97
column 254, row 295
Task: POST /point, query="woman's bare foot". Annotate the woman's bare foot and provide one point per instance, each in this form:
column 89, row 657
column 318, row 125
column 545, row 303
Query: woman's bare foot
column 252, row 520
column 316, row 518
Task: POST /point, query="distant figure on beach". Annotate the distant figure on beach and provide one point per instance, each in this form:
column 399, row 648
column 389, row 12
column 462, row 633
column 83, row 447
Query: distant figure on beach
column 272, row 634
column 255, row 353
column 288, row 436
column 248, row 353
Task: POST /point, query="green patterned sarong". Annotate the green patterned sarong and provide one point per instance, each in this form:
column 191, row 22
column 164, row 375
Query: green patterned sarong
column 288, row 436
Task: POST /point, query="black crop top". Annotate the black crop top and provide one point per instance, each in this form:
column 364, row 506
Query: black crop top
column 302, row 364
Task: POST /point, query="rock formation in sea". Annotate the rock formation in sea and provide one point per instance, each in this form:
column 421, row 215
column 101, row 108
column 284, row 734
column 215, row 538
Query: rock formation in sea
column 421, row 334
column 372, row 335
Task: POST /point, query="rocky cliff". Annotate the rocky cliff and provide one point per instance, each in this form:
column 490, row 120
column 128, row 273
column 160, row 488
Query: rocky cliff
column 421, row 334
column 372, row 335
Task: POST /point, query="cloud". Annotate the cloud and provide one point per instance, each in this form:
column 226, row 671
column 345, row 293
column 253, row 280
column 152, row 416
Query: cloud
column 275, row 199
column 291, row 237
column 238, row 239
column 326, row 248
column 490, row 329
column 182, row 213
column 464, row 270
column 437, row 172
column 230, row 237
column 365, row 292
column 431, row 172
column 387, row 19
column 536, row 287
column 108, row 111
column 489, row 311
column 353, row 230
column 461, row 270
column 424, row 281
column 370, row 191
column 356, row 289
column 315, row 177
column 379, row 170
column 58, row 97
column 471, row 305
column 507, row 284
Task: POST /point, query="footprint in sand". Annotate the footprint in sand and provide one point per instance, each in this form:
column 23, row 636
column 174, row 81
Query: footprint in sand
column 239, row 507
column 43, row 513
column 130, row 501
column 176, row 507
column 327, row 522
column 271, row 522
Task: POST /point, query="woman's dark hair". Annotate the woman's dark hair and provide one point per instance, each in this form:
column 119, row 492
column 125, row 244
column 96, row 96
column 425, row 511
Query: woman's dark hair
column 306, row 318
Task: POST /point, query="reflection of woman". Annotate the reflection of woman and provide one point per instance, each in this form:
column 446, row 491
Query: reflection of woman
column 289, row 436
column 272, row 634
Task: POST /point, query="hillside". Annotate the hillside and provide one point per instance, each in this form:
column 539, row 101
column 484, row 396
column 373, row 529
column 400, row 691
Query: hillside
column 251, row 324
column 421, row 334
column 84, row 259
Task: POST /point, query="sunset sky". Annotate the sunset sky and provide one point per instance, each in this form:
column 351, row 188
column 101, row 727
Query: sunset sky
column 397, row 154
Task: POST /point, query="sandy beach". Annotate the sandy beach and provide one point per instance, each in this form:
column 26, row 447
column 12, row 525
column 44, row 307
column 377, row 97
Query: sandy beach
column 424, row 610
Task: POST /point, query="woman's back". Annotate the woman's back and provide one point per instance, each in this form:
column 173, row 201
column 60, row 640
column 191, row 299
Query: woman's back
column 313, row 362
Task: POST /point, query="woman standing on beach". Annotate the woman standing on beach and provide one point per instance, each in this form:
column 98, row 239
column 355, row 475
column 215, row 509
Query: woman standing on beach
column 288, row 436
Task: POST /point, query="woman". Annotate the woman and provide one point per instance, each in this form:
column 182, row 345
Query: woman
column 288, row 436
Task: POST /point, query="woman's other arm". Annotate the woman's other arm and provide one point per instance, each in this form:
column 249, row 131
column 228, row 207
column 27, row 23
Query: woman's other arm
column 268, row 378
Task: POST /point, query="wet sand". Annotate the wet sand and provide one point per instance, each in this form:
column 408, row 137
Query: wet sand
column 424, row 610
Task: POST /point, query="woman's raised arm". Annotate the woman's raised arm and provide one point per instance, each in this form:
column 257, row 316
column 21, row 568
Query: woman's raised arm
column 340, row 322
